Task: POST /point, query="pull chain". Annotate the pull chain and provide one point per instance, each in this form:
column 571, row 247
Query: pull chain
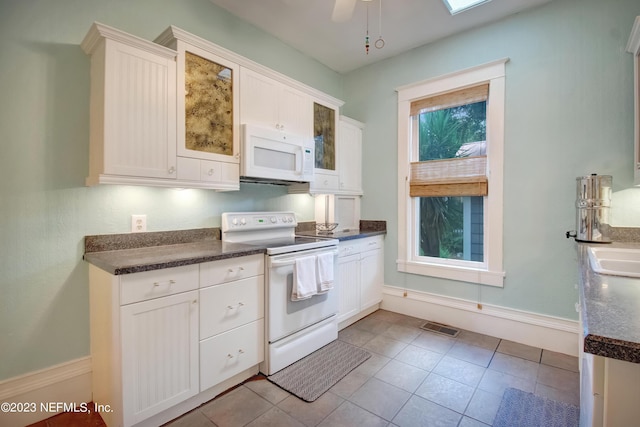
column 379, row 44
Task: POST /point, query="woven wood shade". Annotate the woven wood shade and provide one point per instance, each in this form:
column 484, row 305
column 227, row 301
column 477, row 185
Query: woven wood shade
column 464, row 176
column 449, row 100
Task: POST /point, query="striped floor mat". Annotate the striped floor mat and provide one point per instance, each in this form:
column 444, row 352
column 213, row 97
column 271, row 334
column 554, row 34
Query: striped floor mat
column 522, row 409
column 310, row 377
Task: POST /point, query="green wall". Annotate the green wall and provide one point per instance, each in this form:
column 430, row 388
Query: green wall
column 45, row 209
column 569, row 112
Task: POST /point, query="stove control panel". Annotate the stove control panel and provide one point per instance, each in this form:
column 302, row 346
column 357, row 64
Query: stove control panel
column 240, row 221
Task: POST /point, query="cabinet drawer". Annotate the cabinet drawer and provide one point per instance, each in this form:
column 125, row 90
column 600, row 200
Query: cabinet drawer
column 157, row 283
column 371, row 243
column 230, row 353
column 207, row 170
column 349, row 247
column 211, row 171
column 230, row 305
column 216, row 272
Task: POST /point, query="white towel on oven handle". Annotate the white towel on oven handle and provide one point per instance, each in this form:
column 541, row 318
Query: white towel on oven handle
column 324, row 270
column 304, row 278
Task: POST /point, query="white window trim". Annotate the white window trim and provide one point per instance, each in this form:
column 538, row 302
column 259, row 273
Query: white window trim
column 490, row 271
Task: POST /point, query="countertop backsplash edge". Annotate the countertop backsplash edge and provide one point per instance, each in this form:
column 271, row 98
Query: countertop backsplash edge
column 625, row 234
column 113, row 242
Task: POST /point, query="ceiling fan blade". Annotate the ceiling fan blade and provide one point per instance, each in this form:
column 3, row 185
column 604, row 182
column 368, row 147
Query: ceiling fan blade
column 342, row 10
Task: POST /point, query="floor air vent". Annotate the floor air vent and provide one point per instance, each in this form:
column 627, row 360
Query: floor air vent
column 439, row 328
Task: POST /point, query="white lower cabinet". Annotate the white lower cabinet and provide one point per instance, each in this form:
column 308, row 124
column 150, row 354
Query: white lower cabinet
column 609, row 390
column 591, row 390
column 360, row 278
column 144, row 342
column 159, row 354
column 230, row 353
column 348, row 286
column 165, row 341
column 231, row 318
column 371, row 272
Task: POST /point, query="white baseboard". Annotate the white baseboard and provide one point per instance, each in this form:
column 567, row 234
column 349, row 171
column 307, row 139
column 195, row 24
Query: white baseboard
column 537, row 330
column 35, row 395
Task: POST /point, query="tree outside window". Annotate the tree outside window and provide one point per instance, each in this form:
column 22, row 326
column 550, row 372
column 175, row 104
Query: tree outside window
column 449, row 226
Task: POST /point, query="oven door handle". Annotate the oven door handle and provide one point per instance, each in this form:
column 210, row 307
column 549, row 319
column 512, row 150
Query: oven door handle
column 291, row 261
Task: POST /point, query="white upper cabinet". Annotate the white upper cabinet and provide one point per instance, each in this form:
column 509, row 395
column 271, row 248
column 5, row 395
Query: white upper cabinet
column 168, row 113
column 269, row 103
column 350, row 156
column 633, row 47
column 132, row 107
column 208, row 117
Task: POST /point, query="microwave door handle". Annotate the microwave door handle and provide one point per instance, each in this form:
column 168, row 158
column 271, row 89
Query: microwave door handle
column 299, row 161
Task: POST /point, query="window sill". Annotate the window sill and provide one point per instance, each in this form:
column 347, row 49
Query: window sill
column 471, row 275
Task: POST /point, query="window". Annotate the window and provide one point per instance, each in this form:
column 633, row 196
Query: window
column 450, row 154
column 457, row 6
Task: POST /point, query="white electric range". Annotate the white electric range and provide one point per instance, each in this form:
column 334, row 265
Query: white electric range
column 293, row 328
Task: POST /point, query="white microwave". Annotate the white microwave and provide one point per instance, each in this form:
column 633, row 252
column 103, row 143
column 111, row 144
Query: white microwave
column 269, row 155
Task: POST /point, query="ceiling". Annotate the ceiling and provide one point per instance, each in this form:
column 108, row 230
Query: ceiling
column 307, row 26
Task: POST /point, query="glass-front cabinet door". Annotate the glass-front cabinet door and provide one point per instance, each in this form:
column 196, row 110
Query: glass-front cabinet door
column 208, row 124
column 324, row 134
column 209, row 106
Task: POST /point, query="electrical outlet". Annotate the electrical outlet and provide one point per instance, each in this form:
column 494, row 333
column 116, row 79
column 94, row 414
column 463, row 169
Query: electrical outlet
column 138, row 223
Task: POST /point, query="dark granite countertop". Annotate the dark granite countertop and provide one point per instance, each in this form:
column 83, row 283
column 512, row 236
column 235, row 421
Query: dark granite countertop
column 136, row 252
column 126, row 261
column 610, row 309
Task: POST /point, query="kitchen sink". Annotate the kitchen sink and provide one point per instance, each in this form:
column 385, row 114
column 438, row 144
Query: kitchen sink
column 615, row 261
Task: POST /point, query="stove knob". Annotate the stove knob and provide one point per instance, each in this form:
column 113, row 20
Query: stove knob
column 273, row 219
column 243, row 221
column 290, row 219
column 234, row 221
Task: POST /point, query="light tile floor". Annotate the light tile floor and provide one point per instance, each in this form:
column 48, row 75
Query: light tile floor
column 413, row 378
